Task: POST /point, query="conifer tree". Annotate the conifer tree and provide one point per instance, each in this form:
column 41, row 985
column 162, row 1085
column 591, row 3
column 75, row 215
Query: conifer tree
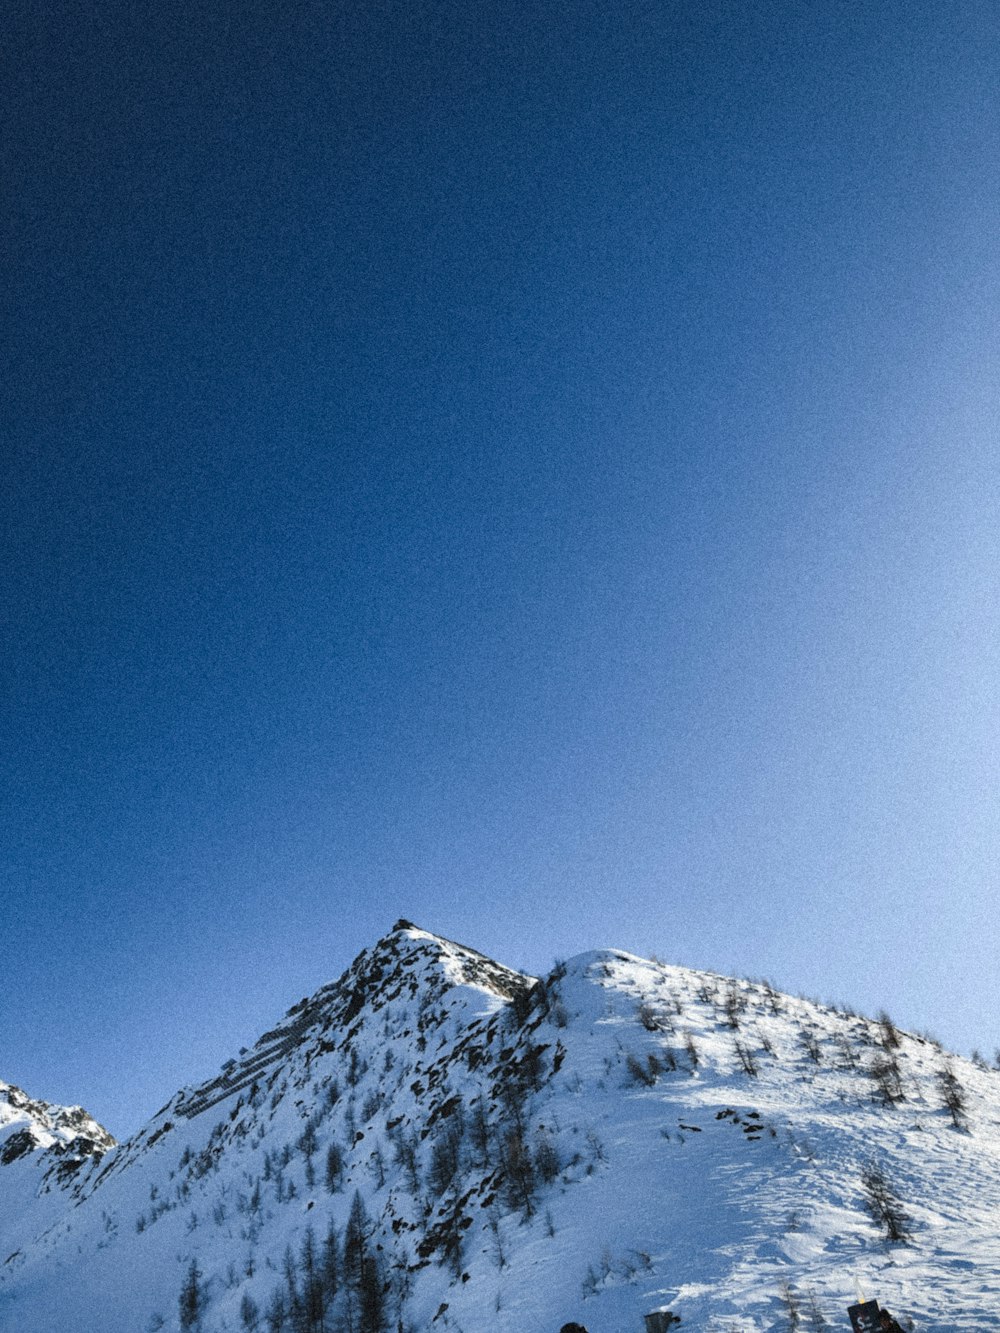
column 293, row 1299
column 443, row 1164
column 519, row 1174
column 276, row 1314
column 954, row 1097
column 479, row 1132
column 883, row 1204
column 547, row 1162
column 404, row 1154
column 372, row 1297
column 192, row 1298
column 313, row 1295
column 249, row 1313
column 334, row 1167
column 356, row 1241
column 330, row 1261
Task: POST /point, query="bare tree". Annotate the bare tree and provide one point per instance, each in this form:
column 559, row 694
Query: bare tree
column 746, row 1059
column 733, row 1005
column 791, row 1303
column 816, row 1316
column 888, row 1081
column 890, row 1033
column 808, row 1042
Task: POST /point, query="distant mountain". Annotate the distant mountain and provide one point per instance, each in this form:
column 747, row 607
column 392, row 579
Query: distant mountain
column 66, row 1134
column 438, row 1142
column 42, row 1149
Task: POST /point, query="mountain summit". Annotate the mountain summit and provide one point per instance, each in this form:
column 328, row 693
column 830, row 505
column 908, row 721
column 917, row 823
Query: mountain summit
column 435, row 1141
column 408, row 964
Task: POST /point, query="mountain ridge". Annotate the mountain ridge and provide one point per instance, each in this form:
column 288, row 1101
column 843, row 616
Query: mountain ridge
column 617, row 1137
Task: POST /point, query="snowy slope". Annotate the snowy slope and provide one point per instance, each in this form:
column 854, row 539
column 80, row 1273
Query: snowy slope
column 42, row 1148
column 620, row 1137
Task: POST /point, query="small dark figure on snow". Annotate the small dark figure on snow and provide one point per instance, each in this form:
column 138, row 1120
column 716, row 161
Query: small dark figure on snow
column 887, row 1324
column 572, row 1328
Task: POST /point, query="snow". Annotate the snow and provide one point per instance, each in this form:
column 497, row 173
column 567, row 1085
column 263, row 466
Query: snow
column 708, row 1182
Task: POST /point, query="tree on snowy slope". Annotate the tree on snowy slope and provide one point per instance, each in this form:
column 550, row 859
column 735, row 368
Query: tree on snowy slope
column 249, row 1313
column 362, row 1270
column 884, row 1205
column 313, row 1290
column 276, row 1314
column 191, row 1302
column 954, row 1097
column 356, row 1235
column 371, row 1297
column 331, row 1261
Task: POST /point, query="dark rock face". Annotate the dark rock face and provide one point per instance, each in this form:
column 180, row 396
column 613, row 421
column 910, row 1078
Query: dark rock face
column 19, row 1144
column 64, row 1137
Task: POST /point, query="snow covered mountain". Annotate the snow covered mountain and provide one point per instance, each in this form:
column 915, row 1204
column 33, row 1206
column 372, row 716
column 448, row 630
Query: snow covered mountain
column 65, row 1135
column 42, row 1148
column 437, row 1142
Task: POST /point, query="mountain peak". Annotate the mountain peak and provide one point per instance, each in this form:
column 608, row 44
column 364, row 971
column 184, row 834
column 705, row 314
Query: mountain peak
column 27, row 1125
column 437, row 962
column 407, row 963
column 623, row 1138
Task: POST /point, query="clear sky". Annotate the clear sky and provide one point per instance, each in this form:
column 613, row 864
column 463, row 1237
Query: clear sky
column 530, row 468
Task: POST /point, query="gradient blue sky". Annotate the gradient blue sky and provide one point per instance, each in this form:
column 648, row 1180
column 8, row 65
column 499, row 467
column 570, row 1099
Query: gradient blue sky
column 528, row 468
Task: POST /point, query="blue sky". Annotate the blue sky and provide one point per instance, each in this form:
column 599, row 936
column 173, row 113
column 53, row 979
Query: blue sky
column 532, row 470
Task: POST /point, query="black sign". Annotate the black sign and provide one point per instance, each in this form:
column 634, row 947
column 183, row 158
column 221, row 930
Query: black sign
column 864, row 1318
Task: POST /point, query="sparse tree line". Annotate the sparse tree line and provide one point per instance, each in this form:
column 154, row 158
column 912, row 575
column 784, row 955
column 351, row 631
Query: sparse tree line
column 609, row 1269
column 801, row 1309
column 341, row 1285
column 730, row 1005
column 338, row 1285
